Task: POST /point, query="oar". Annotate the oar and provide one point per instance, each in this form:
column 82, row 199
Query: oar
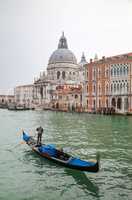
column 98, row 157
column 20, row 132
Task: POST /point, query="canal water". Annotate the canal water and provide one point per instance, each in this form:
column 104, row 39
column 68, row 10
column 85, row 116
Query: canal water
column 26, row 176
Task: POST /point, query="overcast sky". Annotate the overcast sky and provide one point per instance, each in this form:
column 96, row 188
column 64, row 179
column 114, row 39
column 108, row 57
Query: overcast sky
column 30, row 30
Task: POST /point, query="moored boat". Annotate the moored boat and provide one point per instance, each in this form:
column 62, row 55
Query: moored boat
column 50, row 152
column 11, row 106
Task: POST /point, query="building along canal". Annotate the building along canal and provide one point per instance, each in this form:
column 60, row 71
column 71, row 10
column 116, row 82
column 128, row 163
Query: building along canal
column 24, row 175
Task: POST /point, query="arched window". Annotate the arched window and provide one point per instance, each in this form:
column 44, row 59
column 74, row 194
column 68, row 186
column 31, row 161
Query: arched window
column 107, row 103
column 127, row 87
column 41, row 91
column 124, row 70
column 121, row 87
column 63, row 75
column 119, row 103
column 81, row 98
column 87, row 74
column 87, row 103
column 126, row 103
column 99, row 89
column 94, row 88
column 124, row 87
column 107, row 73
column 121, row 71
column 58, row 74
column 114, row 87
column 107, row 89
column 111, row 87
column 118, row 87
column 113, row 102
column 94, row 74
column 87, row 89
column 117, row 71
column 114, row 71
column 94, row 102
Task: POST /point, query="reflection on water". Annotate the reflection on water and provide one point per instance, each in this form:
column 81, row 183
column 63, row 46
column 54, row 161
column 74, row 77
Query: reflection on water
column 83, row 181
column 79, row 177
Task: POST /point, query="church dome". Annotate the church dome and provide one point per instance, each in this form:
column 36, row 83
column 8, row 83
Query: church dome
column 62, row 54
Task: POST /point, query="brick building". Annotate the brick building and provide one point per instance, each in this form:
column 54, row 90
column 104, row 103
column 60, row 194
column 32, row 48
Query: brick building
column 108, row 84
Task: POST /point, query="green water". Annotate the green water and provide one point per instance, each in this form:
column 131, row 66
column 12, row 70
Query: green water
column 25, row 176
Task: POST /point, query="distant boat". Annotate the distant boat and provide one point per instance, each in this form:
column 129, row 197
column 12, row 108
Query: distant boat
column 58, row 156
column 13, row 106
column 38, row 108
column 21, row 107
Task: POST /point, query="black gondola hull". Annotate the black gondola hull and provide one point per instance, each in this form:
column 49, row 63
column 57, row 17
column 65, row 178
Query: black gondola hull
column 66, row 163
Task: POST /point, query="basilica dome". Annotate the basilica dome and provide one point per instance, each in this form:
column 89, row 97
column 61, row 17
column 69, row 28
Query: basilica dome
column 62, row 54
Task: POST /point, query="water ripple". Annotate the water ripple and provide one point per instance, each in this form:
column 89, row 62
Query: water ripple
column 24, row 175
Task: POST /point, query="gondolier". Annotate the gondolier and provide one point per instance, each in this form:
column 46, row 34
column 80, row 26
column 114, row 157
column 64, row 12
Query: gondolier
column 39, row 135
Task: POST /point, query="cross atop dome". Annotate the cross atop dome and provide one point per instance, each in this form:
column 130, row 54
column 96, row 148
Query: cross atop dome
column 62, row 42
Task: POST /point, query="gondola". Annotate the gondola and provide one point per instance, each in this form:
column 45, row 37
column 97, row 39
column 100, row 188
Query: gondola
column 50, row 152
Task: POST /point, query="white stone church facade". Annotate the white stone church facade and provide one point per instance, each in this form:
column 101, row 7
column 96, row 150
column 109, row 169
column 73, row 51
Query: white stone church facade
column 62, row 69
